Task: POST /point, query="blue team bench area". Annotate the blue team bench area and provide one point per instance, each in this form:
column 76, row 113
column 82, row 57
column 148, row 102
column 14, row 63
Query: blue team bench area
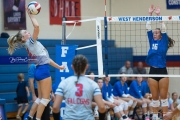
column 9, row 72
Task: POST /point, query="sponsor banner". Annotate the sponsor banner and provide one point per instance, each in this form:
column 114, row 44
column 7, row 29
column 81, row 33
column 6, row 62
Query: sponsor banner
column 173, row 4
column 18, row 59
column 72, row 11
column 14, row 14
column 142, row 18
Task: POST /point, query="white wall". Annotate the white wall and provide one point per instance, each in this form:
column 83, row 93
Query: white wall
column 95, row 8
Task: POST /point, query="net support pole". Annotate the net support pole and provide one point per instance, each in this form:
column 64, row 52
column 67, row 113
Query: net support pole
column 63, row 32
column 106, row 46
column 63, row 42
column 99, row 47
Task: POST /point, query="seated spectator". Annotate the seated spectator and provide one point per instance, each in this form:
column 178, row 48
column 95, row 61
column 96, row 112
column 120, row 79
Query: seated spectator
column 140, row 70
column 121, row 90
column 91, row 73
column 175, row 102
column 111, row 101
column 137, row 91
column 126, row 69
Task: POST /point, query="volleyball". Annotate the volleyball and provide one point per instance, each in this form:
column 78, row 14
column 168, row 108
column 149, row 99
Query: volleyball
column 34, row 7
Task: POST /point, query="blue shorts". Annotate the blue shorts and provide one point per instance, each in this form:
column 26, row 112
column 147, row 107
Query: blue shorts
column 42, row 72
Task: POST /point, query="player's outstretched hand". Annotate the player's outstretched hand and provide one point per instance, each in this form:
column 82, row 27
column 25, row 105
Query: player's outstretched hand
column 151, row 10
column 62, row 67
column 157, row 10
column 167, row 116
column 27, row 10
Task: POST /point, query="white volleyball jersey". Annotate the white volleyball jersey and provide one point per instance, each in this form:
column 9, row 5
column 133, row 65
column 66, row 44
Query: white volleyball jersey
column 35, row 48
column 78, row 97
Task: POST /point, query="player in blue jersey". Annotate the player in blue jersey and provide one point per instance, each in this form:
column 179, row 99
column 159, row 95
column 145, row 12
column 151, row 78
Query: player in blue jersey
column 119, row 105
column 137, row 91
column 42, row 74
column 78, row 92
column 121, row 90
column 159, row 43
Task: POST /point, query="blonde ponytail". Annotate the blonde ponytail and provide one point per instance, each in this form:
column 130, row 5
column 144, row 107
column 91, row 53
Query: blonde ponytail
column 11, row 43
column 14, row 41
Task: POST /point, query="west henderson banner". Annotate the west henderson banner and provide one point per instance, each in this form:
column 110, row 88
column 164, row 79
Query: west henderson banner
column 72, row 11
column 64, row 56
column 14, row 14
column 173, row 4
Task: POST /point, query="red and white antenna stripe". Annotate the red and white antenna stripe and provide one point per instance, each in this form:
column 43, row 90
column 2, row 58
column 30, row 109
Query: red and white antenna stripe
column 105, row 8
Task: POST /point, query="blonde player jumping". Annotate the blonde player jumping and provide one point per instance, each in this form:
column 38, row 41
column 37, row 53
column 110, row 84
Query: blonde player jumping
column 42, row 73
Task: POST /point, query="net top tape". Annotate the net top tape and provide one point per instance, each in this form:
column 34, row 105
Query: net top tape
column 131, row 19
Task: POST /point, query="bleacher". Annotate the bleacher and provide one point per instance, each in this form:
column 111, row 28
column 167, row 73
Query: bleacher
column 8, row 73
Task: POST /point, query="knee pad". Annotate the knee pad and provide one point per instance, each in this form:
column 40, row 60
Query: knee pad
column 44, row 101
column 150, row 104
column 164, row 102
column 121, row 106
column 116, row 109
column 144, row 105
column 125, row 106
column 130, row 103
column 156, row 103
column 37, row 101
column 134, row 104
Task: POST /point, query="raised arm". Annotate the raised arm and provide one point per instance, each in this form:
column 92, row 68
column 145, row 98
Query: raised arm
column 35, row 24
column 148, row 23
column 163, row 26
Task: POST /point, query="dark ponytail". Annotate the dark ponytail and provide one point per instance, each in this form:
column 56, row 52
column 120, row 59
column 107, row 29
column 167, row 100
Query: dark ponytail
column 79, row 63
column 171, row 42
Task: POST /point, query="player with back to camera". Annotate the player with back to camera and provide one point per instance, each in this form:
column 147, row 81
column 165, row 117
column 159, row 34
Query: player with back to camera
column 159, row 43
column 42, row 73
column 78, row 92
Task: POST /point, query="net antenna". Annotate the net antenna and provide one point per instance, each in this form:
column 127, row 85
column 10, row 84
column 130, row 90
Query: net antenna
column 106, row 41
